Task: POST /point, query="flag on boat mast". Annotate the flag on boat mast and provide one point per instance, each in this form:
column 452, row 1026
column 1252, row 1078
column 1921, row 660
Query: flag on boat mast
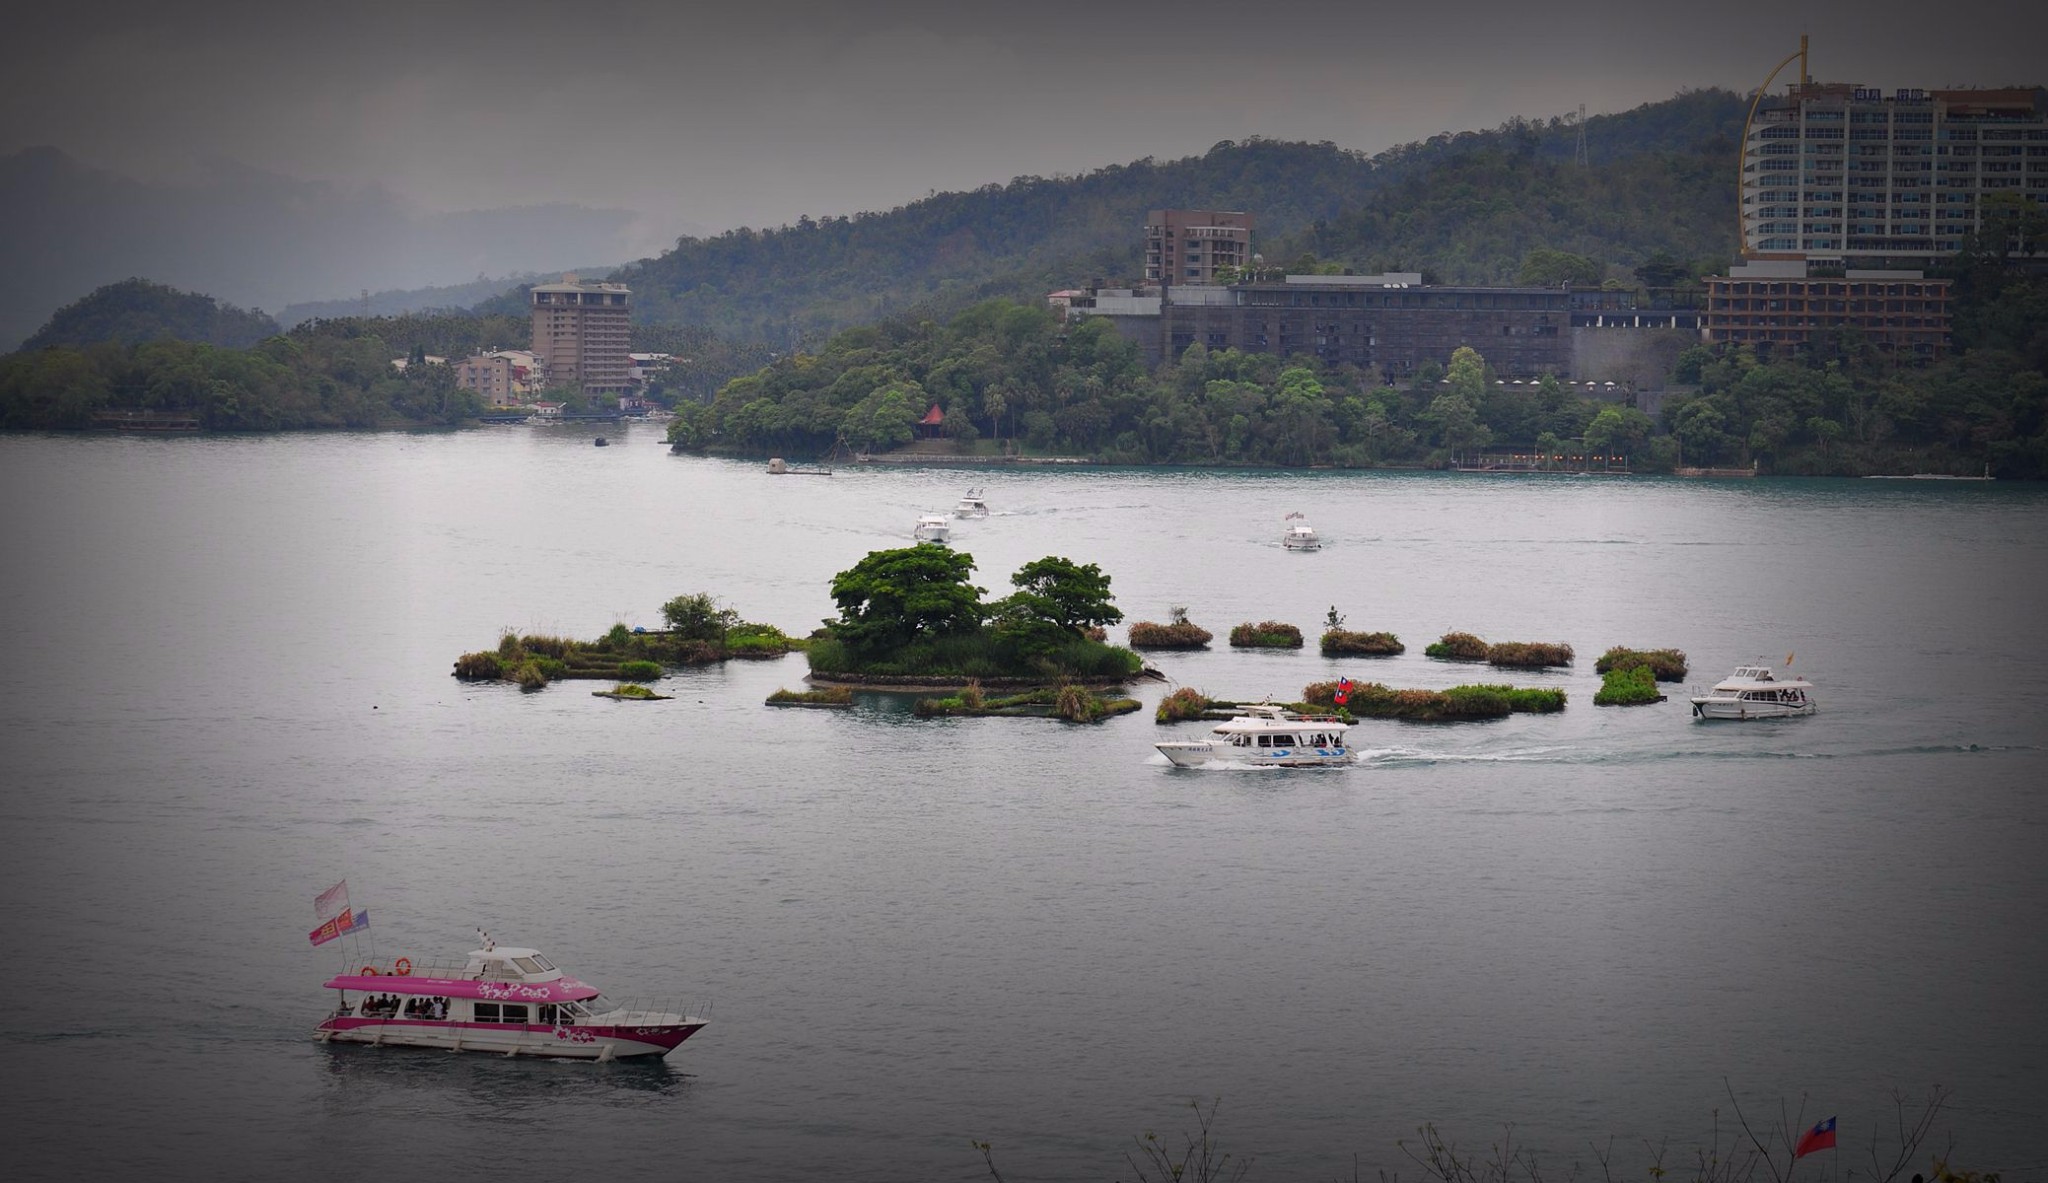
column 332, row 902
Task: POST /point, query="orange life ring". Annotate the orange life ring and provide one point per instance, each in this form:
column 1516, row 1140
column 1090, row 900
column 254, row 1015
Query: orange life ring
column 369, row 971
column 403, row 966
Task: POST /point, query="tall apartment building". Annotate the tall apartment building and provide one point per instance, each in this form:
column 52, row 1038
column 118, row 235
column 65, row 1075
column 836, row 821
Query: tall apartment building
column 580, row 334
column 1188, row 245
column 1836, row 171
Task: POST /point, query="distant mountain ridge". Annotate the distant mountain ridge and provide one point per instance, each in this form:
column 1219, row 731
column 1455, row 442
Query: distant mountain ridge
column 259, row 239
column 1658, row 179
column 399, row 302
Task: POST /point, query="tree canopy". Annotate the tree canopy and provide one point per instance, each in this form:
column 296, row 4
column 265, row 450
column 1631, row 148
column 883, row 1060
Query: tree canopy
column 894, row 597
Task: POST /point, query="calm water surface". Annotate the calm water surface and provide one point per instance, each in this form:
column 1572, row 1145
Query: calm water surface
column 229, row 689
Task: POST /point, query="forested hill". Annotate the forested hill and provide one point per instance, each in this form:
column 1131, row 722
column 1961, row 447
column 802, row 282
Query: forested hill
column 136, row 310
column 1464, row 207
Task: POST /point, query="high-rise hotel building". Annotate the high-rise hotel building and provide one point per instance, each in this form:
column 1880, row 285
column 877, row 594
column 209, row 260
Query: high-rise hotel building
column 1833, row 171
column 1188, row 246
column 581, row 332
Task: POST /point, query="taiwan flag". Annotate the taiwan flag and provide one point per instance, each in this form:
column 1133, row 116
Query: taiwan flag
column 1343, row 694
column 1820, row 1137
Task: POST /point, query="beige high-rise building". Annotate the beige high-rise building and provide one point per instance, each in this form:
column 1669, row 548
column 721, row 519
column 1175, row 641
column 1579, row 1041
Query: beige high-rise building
column 580, row 334
column 1187, row 246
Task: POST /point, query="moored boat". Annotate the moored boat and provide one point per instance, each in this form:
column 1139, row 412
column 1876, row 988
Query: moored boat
column 511, row 1001
column 1266, row 734
column 1300, row 535
column 1754, row 692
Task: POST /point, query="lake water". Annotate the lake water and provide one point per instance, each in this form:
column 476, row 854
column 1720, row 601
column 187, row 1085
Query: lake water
column 229, row 688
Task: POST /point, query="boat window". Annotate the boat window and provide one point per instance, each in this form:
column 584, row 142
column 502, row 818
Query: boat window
column 1243, row 741
column 1283, row 741
column 1265, row 741
column 528, row 964
column 515, row 1012
column 486, row 1012
column 545, row 965
column 598, row 1004
column 547, row 1014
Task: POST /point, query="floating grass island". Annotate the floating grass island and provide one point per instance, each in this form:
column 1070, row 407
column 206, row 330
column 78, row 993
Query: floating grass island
column 1178, row 633
column 1457, row 647
column 829, row 697
column 1527, row 655
column 1267, row 634
column 628, row 692
column 1627, row 686
column 699, row 633
column 1339, row 642
column 1070, row 703
column 1371, row 700
column 1666, row 665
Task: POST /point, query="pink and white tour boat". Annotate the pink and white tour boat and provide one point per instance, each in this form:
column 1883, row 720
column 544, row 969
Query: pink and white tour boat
column 505, row 1000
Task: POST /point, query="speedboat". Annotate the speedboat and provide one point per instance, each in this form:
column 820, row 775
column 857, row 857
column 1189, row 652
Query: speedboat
column 1753, row 692
column 1267, row 733
column 933, row 527
column 510, row 1001
column 1300, row 535
column 971, row 506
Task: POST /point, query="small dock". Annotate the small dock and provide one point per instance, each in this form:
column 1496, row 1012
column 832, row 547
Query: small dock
column 145, row 421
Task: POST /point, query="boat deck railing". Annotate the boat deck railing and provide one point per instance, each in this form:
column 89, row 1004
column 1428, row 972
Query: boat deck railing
column 628, row 1013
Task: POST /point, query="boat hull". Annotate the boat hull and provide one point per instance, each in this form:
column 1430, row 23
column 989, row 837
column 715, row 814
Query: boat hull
column 1196, row 753
column 595, row 1042
column 1719, row 708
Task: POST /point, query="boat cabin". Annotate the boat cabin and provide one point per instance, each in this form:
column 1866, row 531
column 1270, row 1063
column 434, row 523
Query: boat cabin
column 494, row 985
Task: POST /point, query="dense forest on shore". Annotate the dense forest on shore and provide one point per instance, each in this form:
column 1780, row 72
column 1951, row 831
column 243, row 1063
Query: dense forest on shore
column 1465, row 207
column 1017, row 375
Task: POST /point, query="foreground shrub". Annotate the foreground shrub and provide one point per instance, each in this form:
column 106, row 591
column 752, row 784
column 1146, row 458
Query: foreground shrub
column 1339, row 643
column 1147, row 635
column 1627, row 686
column 1183, row 704
column 639, row 671
column 1458, row 647
column 1665, row 665
column 479, row 667
column 1528, row 655
column 1267, row 634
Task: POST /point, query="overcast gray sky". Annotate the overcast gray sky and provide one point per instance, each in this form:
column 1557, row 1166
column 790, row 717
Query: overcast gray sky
column 752, row 113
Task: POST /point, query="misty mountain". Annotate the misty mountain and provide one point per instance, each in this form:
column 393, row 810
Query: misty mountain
column 259, row 239
column 400, row 301
column 135, row 311
column 1658, row 179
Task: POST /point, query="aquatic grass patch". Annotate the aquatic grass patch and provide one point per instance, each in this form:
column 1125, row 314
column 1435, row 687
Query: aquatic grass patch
column 1339, row 642
column 1456, row 646
column 1074, row 704
column 479, row 667
column 1372, row 700
column 1180, row 706
column 1146, row 634
column 1628, row 686
column 1528, row 655
column 829, row 696
column 628, row 692
column 1267, row 634
column 639, row 671
column 1665, row 665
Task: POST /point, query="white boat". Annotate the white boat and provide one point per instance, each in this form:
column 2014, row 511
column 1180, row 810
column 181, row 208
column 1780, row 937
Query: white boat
column 933, row 527
column 1267, row 733
column 1300, row 535
column 971, row 506
column 510, row 1001
column 1753, row 692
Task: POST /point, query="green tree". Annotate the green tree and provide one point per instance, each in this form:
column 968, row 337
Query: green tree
column 699, row 617
column 894, row 597
column 1056, row 601
column 1544, row 267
